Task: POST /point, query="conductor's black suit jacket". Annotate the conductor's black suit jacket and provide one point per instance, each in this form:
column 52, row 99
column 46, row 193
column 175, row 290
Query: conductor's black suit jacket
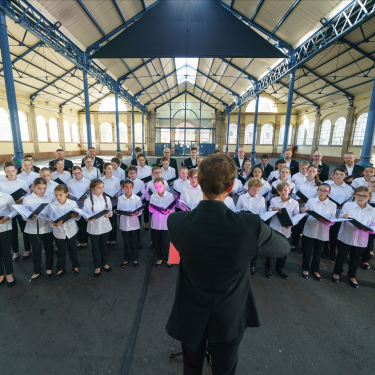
column 213, row 288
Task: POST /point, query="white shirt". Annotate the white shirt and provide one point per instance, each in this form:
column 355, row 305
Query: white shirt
column 350, row 234
column 314, row 228
column 340, row 194
column 111, row 185
column 10, row 187
column 56, row 210
column 306, row 187
column 359, row 182
column 144, row 171
column 291, row 206
column 119, row 173
column 276, row 174
column 191, row 196
column 78, row 188
column 32, row 202
column 194, row 161
column 51, row 187
column 129, row 223
column 237, row 185
column 159, row 220
column 178, row 185
column 101, row 225
column 6, row 209
column 2, row 178
column 256, row 204
column 95, row 173
column 287, row 163
column 28, row 178
column 297, row 176
column 278, row 181
column 349, row 169
column 228, row 201
column 244, row 175
column 240, row 162
column 264, row 189
column 150, row 189
column 64, row 177
column 168, row 174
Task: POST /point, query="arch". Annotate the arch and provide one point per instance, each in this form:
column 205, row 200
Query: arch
column 282, row 132
column 180, row 132
column 338, row 131
column 309, row 133
column 53, row 131
column 85, row 133
column 105, row 132
column 325, row 132
column 138, row 132
column 41, row 129
column 68, row 137
column 24, row 128
column 360, row 128
column 301, row 135
column 123, row 133
column 5, row 130
column 249, row 131
column 266, row 135
column 265, row 105
column 75, row 136
column 232, row 139
column 109, row 105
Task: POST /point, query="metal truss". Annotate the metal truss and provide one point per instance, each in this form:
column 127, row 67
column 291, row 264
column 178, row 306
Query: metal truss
column 182, row 93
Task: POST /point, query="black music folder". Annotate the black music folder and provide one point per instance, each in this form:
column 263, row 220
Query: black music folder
column 18, row 194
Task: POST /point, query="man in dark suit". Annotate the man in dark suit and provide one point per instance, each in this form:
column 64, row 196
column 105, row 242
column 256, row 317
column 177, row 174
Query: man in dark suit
column 265, row 166
column 214, row 300
column 192, row 161
column 68, row 164
column 352, row 169
column 29, row 157
column 172, row 162
column 323, row 169
column 240, row 159
column 292, row 164
column 137, row 151
column 96, row 162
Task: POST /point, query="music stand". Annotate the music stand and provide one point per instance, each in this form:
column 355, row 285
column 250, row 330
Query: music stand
column 207, row 355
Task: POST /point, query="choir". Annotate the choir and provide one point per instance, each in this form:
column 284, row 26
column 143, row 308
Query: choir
column 58, row 208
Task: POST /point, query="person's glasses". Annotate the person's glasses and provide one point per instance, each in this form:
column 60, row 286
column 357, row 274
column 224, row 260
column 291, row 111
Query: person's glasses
column 362, row 196
column 316, row 156
column 323, row 191
column 157, row 172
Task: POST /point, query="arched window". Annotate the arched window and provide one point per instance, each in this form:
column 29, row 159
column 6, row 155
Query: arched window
column 265, row 105
column 360, row 128
column 301, row 135
column 309, row 133
column 325, row 132
column 85, row 133
column 281, row 135
column 68, row 137
column 266, row 135
column 75, row 132
column 123, row 133
column 105, row 132
column 53, row 131
column 338, row 131
column 23, row 127
column 138, row 132
column 109, row 105
column 232, row 140
column 41, row 129
column 5, row 130
column 249, row 130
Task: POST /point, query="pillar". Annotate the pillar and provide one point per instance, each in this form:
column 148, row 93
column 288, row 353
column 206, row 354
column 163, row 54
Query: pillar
column 227, row 146
column 97, row 133
column 151, row 146
column 60, row 127
column 10, row 91
column 242, row 130
column 34, row 130
column 117, row 124
column 133, row 132
column 238, row 131
column 87, row 109
column 349, row 127
column 288, row 110
column 255, row 130
column 143, row 132
column 318, row 124
column 129, row 128
column 276, row 134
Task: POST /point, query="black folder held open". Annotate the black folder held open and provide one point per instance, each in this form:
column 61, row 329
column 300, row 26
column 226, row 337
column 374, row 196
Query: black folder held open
column 60, row 182
column 284, row 218
column 129, row 213
column 18, row 194
column 161, row 209
column 146, row 179
column 66, row 217
column 361, row 226
column 302, row 196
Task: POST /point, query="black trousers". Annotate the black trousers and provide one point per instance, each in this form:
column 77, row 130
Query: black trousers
column 61, row 245
column 37, row 243
column 161, row 240
column 6, row 263
column 366, row 257
column 146, row 215
column 113, row 233
column 280, row 262
column 253, row 262
column 99, row 249
column 311, row 246
column 355, row 256
column 82, row 235
column 296, row 232
column 333, row 242
column 26, row 239
column 130, row 245
column 224, row 356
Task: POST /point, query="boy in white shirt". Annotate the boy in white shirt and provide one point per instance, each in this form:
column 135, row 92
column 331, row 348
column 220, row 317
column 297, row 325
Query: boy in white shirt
column 363, row 181
column 179, row 184
column 118, row 172
column 168, row 173
column 275, row 175
column 302, row 171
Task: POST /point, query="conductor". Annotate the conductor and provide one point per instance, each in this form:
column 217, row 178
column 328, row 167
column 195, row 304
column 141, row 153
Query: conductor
column 214, row 300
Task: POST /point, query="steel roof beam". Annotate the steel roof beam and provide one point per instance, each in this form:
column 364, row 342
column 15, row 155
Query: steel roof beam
column 76, row 96
column 300, row 95
column 257, row 10
column 364, row 53
column 83, row 6
column 119, row 10
column 125, row 76
column 286, row 15
column 157, row 97
column 96, row 101
column 182, row 93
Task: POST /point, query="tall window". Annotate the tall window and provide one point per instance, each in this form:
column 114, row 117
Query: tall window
column 301, row 135
column 85, row 133
column 41, row 128
column 123, row 133
column 53, row 132
column 105, row 132
column 281, row 135
column 68, row 137
column 249, row 131
column 138, row 132
column 325, row 132
column 109, row 105
column 5, row 131
column 75, row 136
column 23, row 127
column 266, row 135
column 232, row 140
column 265, row 105
column 309, row 133
column 338, row 131
column 360, row 128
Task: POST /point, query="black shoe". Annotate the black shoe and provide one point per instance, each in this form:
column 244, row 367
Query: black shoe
column 319, row 278
column 283, row 274
column 80, row 247
column 108, row 244
column 75, row 273
column 60, row 275
column 365, row 266
column 3, row 281
column 16, row 259
column 252, row 271
column 109, row 269
column 139, row 246
column 305, row 276
column 11, row 284
column 96, row 274
column 158, row 265
column 136, row 265
column 268, row 273
column 146, row 228
column 334, row 280
column 113, row 244
column 33, row 279
column 48, row 275
column 123, row 265
column 170, row 265
column 83, row 247
column 25, row 256
column 152, row 245
column 354, row 285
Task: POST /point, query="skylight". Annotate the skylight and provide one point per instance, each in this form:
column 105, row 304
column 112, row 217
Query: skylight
column 188, row 72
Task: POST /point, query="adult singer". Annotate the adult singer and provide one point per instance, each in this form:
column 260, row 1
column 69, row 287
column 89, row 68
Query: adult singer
column 214, row 300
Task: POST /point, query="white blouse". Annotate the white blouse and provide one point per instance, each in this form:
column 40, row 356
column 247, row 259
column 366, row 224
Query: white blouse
column 32, row 202
column 340, row 193
column 228, row 201
column 51, row 187
column 168, row 174
column 159, row 220
column 6, row 209
column 95, row 173
column 256, row 204
column 64, row 177
column 178, row 185
column 102, row 224
column 119, row 173
column 129, row 223
column 111, row 185
column 237, row 185
column 144, row 171
column 306, row 187
column 78, row 188
column 359, row 182
column 150, row 189
column 10, row 187
column 191, row 196
column 276, row 174
column 139, row 186
column 28, row 178
column 297, row 176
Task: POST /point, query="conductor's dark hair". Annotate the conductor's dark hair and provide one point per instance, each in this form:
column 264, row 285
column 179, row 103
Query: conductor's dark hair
column 280, row 161
column 216, row 174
